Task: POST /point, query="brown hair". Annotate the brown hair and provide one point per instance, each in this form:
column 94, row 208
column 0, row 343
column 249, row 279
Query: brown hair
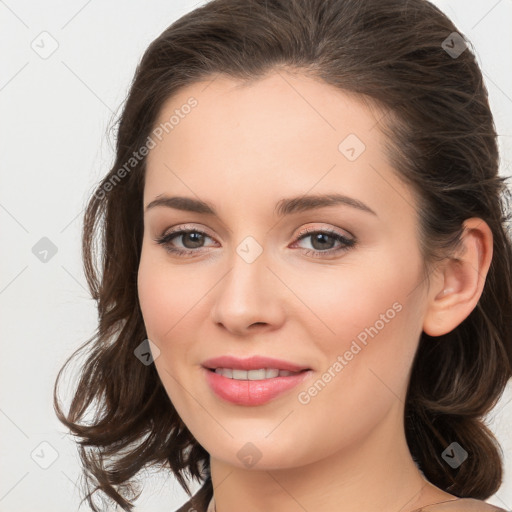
column 441, row 140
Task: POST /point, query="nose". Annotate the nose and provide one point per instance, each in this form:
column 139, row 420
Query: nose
column 249, row 298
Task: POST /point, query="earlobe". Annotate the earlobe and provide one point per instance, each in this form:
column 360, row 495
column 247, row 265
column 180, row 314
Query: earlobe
column 459, row 281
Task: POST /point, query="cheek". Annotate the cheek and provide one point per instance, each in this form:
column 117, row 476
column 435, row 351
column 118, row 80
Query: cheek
column 363, row 300
column 168, row 302
column 367, row 362
column 167, row 297
column 371, row 326
column 156, row 305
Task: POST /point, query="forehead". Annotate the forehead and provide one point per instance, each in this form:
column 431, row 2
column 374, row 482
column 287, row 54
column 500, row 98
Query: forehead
column 270, row 101
column 283, row 131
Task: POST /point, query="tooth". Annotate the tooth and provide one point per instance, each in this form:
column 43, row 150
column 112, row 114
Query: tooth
column 256, row 374
column 225, row 372
column 259, row 374
column 240, row 374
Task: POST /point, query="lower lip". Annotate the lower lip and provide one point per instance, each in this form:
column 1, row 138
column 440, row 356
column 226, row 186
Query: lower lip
column 252, row 392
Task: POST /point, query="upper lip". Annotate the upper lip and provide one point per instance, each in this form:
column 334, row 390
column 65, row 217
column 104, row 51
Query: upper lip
column 252, row 363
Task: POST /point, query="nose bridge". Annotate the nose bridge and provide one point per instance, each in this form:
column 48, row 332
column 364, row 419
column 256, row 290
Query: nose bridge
column 246, row 294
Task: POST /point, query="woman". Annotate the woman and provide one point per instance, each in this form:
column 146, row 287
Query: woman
column 231, row 345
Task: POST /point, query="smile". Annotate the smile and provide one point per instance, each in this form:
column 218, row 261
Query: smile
column 249, row 387
column 260, row 374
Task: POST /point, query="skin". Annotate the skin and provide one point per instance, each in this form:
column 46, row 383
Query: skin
column 242, row 149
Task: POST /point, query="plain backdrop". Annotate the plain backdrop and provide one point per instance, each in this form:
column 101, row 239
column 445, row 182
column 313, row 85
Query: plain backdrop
column 55, row 112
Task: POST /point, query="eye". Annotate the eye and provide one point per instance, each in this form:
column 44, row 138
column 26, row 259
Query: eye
column 191, row 238
column 322, row 241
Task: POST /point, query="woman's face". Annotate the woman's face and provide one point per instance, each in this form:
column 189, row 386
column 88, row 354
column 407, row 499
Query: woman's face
column 334, row 288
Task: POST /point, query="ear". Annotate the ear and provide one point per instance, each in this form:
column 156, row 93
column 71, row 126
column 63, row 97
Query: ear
column 458, row 282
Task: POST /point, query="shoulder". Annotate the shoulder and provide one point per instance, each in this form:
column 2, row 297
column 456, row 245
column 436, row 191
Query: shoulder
column 461, row 505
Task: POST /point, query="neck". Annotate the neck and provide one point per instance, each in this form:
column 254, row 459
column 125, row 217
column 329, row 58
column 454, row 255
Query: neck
column 376, row 473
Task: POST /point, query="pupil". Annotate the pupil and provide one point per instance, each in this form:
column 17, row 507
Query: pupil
column 318, row 238
column 198, row 240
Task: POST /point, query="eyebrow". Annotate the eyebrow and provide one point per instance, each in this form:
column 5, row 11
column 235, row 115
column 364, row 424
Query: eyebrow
column 286, row 206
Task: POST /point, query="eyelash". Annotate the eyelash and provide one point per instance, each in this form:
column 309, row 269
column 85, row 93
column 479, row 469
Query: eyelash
column 165, row 239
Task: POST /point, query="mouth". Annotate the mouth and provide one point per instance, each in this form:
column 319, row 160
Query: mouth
column 256, row 374
column 254, row 387
column 253, row 367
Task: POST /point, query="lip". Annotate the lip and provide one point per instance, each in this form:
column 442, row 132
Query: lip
column 252, row 363
column 252, row 392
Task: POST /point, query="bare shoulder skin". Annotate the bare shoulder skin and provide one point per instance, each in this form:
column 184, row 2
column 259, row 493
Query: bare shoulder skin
column 461, row 505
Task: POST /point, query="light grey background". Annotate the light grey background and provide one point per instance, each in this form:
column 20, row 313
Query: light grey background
column 55, row 112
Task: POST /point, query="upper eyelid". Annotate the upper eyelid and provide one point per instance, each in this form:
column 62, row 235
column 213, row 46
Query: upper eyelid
column 185, row 227
column 302, row 233
column 311, row 230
